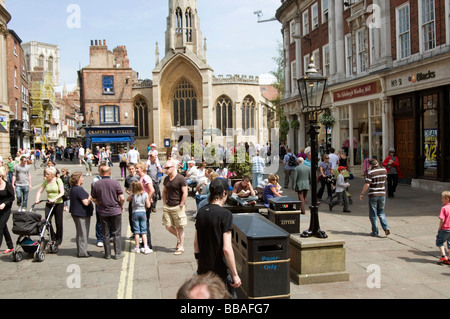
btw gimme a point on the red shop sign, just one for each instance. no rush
(357, 91)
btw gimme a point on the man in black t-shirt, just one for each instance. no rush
(212, 243)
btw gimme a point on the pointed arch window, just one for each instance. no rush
(248, 115)
(224, 114)
(141, 117)
(179, 16)
(184, 104)
(188, 25)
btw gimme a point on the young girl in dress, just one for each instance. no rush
(139, 202)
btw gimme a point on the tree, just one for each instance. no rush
(279, 85)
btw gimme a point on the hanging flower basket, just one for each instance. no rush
(327, 119)
(295, 125)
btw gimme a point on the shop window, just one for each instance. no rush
(376, 131)
(224, 114)
(108, 84)
(344, 127)
(429, 132)
(109, 114)
(141, 117)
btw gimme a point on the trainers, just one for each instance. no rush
(442, 259)
(100, 244)
(136, 250)
(8, 250)
(148, 251)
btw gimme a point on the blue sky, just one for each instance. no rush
(236, 43)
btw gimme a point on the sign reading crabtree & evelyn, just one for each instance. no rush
(357, 91)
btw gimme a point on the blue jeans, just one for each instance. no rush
(22, 195)
(257, 178)
(139, 220)
(376, 209)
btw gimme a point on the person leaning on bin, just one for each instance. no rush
(212, 242)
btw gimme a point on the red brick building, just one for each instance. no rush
(18, 94)
(387, 64)
(106, 98)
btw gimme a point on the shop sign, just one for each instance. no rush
(355, 92)
(413, 78)
(109, 131)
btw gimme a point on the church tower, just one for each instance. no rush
(183, 27)
(182, 79)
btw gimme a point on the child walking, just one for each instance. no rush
(139, 202)
(443, 234)
(341, 187)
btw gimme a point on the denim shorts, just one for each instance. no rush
(139, 222)
(442, 237)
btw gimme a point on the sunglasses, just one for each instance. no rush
(167, 167)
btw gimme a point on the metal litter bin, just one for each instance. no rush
(285, 212)
(261, 251)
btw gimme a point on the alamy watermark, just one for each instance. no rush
(74, 19)
(374, 279)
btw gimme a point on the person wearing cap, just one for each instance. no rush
(341, 186)
(191, 173)
(393, 172)
(213, 239)
(174, 198)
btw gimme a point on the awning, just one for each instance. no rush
(111, 140)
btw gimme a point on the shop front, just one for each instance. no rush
(116, 138)
(360, 123)
(421, 111)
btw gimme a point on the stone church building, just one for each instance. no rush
(186, 100)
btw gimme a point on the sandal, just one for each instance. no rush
(179, 252)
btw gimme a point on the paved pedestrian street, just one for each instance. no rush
(404, 265)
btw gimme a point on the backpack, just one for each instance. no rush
(292, 161)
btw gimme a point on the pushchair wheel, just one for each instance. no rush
(17, 256)
(39, 256)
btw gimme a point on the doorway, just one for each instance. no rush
(404, 146)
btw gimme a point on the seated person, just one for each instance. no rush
(243, 192)
(191, 174)
(222, 171)
(272, 189)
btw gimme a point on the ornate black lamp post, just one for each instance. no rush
(312, 88)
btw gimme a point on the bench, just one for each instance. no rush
(235, 209)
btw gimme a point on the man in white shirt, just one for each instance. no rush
(334, 159)
(133, 155)
(81, 155)
(191, 173)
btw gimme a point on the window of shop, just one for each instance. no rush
(109, 114)
(360, 141)
(108, 84)
(376, 131)
(344, 126)
(429, 134)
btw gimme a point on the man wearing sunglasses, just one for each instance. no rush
(174, 198)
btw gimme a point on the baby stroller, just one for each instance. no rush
(27, 224)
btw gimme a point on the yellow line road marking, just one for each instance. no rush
(125, 290)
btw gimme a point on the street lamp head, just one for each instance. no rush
(311, 89)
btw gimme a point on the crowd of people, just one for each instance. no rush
(141, 192)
